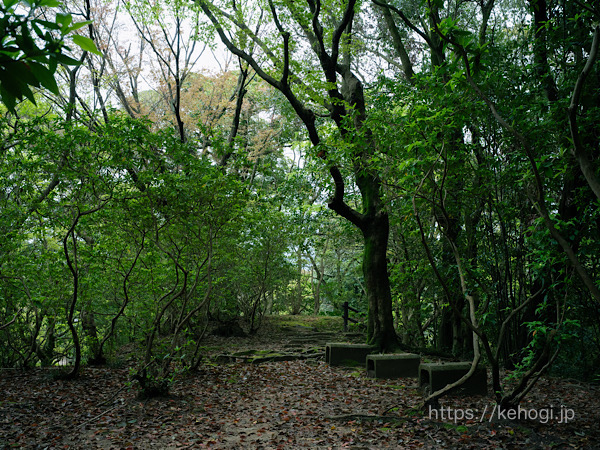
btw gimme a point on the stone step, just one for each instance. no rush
(309, 341)
(259, 357)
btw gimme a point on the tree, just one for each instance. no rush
(481, 160)
(161, 26)
(328, 88)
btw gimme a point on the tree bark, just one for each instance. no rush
(380, 331)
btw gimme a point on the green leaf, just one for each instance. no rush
(8, 99)
(14, 80)
(64, 20)
(52, 64)
(78, 25)
(14, 83)
(86, 44)
(49, 3)
(67, 60)
(37, 30)
(45, 76)
(28, 94)
(10, 3)
(48, 24)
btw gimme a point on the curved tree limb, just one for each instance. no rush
(579, 151)
(405, 19)
(7, 324)
(307, 116)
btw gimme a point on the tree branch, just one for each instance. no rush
(405, 19)
(407, 66)
(578, 149)
(341, 28)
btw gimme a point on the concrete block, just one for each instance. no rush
(396, 365)
(434, 376)
(343, 354)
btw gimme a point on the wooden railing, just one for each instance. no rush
(346, 315)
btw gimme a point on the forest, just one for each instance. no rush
(174, 170)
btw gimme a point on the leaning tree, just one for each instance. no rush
(306, 51)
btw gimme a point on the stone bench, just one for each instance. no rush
(397, 365)
(434, 376)
(343, 354)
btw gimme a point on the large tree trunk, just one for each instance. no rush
(380, 331)
(374, 224)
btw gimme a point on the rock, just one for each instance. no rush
(229, 329)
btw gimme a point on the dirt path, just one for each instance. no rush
(286, 405)
(294, 404)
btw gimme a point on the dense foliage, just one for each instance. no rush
(434, 164)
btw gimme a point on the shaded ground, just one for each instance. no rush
(287, 405)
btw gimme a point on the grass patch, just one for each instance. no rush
(350, 363)
(318, 323)
(461, 429)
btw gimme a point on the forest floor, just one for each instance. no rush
(279, 405)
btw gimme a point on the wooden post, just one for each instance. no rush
(345, 315)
